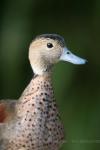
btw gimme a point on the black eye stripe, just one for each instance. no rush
(49, 45)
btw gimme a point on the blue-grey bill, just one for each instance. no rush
(70, 57)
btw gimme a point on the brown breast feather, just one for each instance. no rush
(7, 110)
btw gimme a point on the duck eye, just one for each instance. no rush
(49, 45)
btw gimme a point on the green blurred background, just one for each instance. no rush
(77, 88)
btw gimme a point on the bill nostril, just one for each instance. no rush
(68, 52)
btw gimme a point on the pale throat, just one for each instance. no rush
(41, 68)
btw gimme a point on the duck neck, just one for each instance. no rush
(41, 67)
(38, 91)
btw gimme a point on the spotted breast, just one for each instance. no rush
(37, 125)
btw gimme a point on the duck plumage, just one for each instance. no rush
(32, 122)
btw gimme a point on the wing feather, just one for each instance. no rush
(7, 110)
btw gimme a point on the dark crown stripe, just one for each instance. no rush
(57, 37)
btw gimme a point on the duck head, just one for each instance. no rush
(48, 49)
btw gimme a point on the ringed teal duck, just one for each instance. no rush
(33, 122)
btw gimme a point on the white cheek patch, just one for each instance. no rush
(70, 57)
